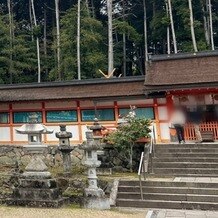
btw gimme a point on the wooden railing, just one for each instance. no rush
(210, 126)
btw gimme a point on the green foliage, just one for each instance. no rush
(124, 27)
(16, 55)
(127, 135)
(92, 48)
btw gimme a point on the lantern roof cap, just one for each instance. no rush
(35, 128)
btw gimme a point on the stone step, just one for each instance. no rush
(186, 150)
(185, 171)
(172, 190)
(187, 159)
(200, 145)
(168, 197)
(162, 175)
(184, 154)
(185, 165)
(135, 183)
(167, 204)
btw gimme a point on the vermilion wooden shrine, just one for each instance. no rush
(186, 79)
(169, 79)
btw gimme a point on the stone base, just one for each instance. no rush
(37, 203)
(36, 194)
(33, 192)
(40, 175)
(98, 203)
(95, 192)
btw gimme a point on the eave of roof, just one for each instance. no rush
(180, 56)
(149, 89)
(77, 90)
(96, 81)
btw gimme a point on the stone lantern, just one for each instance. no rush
(64, 147)
(94, 196)
(34, 131)
(36, 187)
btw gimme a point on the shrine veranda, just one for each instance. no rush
(76, 103)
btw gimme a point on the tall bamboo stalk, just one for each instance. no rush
(11, 30)
(192, 26)
(78, 39)
(168, 31)
(37, 42)
(211, 25)
(205, 19)
(110, 37)
(58, 39)
(145, 35)
(124, 44)
(172, 27)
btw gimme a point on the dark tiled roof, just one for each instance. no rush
(85, 89)
(182, 71)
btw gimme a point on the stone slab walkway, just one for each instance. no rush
(181, 214)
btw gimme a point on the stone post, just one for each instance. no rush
(94, 196)
(64, 147)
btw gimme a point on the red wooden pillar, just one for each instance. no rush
(116, 111)
(79, 121)
(44, 119)
(157, 121)
(11, 123)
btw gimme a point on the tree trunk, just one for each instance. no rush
(110, 37)
(124, 54)
(93, 8)
(192, 26)
(124, 44)
(168, 31)
(11, 40)
(205, 19)
(37, 43)
(211, 24)
(45, 39)
(131, 158)
(172, 27)
(31, 20)
(145, 35)
(78, 40)
(58, 39)
(87, 6)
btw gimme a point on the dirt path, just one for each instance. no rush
(12, 212)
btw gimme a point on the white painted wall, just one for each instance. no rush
(165, 132)
(163, 113)
(19, 137)
(5, 134)
(73, 129)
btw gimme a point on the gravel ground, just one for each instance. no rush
(6, 212)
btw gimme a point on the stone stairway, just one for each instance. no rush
(170, 195)
(186, 160)
(189, 164)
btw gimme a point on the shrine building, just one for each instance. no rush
(169, 80)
